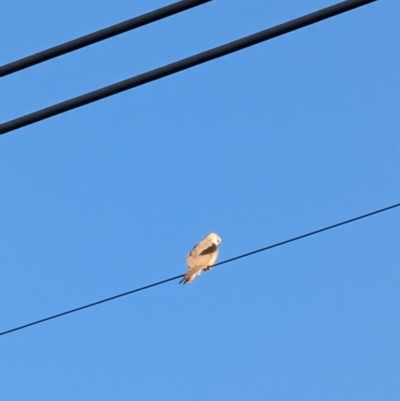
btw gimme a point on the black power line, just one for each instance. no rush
(98, 36)
(146, 287)
(182, 64)
(124, 294)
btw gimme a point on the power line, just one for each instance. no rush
(310, 234)
(182, 65)
(124, 294)
(98, 36)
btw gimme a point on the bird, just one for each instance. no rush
(201, 257)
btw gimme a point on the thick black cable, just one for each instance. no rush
(100, 35)
(182, 64)
(217, 264)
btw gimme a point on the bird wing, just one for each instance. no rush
(202, 255)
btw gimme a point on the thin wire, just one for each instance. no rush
(182, 65)
(217, 264)
(309, 234)
(98, 36)
(124, 294)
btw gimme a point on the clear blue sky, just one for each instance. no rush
(271, 142)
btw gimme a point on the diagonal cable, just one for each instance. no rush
(98, 36)
(183, 64)
(146, 287)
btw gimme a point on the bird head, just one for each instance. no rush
(216, 239)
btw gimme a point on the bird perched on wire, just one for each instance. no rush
(201, 257)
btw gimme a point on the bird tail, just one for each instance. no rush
(185, 279)
(190, 276)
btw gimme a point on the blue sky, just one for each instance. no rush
(259, 146)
